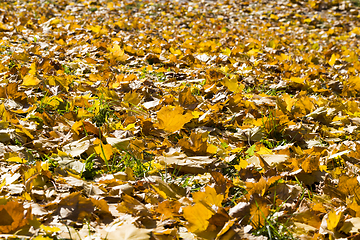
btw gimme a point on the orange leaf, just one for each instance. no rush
(310, 164)
(258, 212)
(13, 217)
(259, 187)
(168, 209)
(195, 145)
(187, 100)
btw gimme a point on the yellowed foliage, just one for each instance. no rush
(210, 197)
(105, 151)
(198, 217)
(172, 119)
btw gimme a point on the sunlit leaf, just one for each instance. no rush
(197, 216)
(14, 217)
(210, 197)
(333, 59)
(259, 212)
(172, 119)
(333, 220)
(105, 151)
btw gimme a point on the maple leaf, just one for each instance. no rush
(169, 209)
(260, 187)
(132, 206)
(333, 220)
(105, 151)
(76, 207)
(259, 211)
(13, 217)
(197, 144)
(210, 197)
(187, 100)
(172, 119)
(198, 217)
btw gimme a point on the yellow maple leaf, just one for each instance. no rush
(16, 159)
(333, 220)
(226, 51)
(274, 17)
(118, 53)
(231, 84)
(297, 80)
(13, 217)
(354, 83)
(209, 197)
(83, 113)
(304, 105)
(212, 149)
(133, 98)
(30, 81)
(105, 151)
(172, 119)
(196, 114)
(283, 57)
(198, 217)
(333, 59)
(54, 21)
(95, 28)
(242, 164)
(110, 6)
(264, 150)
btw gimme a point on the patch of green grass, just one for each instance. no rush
(128, 160)
(67, 70)
(89, 171)
(93, 9)
(356, 3)
(234, 194)
(102, 116)
(273, 128)
(11, 64)
(159, 75)
(102, 112)
(273, 227)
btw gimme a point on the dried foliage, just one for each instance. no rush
(179, 119)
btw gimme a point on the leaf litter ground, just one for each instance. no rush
(179, 119)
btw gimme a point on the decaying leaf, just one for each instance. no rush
(196, 164)
(129, 232)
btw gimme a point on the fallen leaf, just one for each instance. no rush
(13, 217)
(129, 232)
(172, 119)
(198, 217)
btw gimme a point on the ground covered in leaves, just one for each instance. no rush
(179, 119)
